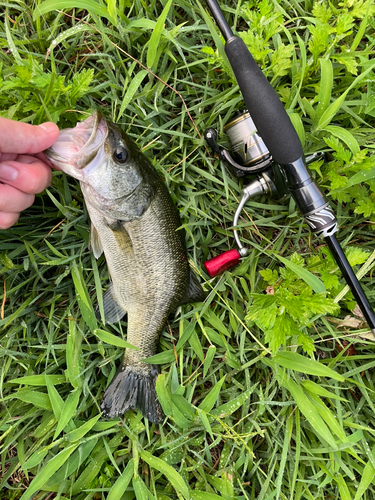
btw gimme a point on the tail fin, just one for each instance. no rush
(133, 389)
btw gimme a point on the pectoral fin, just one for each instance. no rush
(113, 311)
(194, 291)
(95, 243)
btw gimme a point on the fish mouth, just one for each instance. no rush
(77, 147)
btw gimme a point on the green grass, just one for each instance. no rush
(253, 411)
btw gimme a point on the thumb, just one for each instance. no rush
(23, 138)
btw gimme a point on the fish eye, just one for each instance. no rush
(120, 155)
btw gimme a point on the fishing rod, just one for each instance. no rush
(264, 142)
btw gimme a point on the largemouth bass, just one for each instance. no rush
(135, 224)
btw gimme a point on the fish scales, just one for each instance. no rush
(136, 225)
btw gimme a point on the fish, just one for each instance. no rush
(135, 223)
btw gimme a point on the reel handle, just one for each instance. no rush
(223, 262)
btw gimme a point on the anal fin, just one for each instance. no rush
(195, 292)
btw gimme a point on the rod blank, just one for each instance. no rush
(351, 279)
(220, 19)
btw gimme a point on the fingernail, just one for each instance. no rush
(8, 173)
(48, 127)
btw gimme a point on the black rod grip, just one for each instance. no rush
(268, 113)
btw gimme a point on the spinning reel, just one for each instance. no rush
(251, 157)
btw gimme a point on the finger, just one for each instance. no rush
(19, 137)
(8, 156)
(8, 219)
(15, 156)
(28, 174)
(13, 200)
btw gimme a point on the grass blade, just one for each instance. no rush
(83, 298)
(325, 88)
(343, 488)
(329, 418)
(211, 398)
(162, 358)
(81, 431)
(362, 29)
(284, 454)
(300, 363)
(205, 495)
(359, 177)
(205, 422)
(233, 405)
(316, 284)
(131, 90)
(320, 391)
(153, 44)
(216, 37)
(308, 409)
(74, 360)
(53, 465)
(89, 5)
(72, 464)
(367, 478)
(164, 394)
(79, 28)
(38, 399)
(333, 109)
(298, 125)
(56, 400)
(345, 136)
(111, 339)
(67, 411)
(38, 380)
(211, 351)
(11, 44)
(171, 474)
(123, 481)
(35, 459)
(140, 489)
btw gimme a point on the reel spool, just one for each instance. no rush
(250, 154)
(247, 146)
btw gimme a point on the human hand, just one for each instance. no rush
(24, 170)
